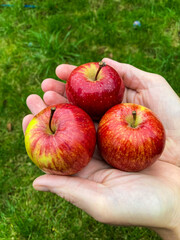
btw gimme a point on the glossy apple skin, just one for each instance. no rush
(72, 145)
(94, 97)
(126, 148)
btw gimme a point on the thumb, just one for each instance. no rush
(82, 193)
(133, 77)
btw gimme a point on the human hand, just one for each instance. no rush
(149, 198)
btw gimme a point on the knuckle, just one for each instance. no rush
(159, 77)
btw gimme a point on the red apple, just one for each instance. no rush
(61, 139)
(130, 137)
(95, 87)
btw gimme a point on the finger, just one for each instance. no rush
(52, 97)
(64, 70)
(94, 170)
(53, 85)
(80, 192)
(26, 121)
(133, 77)
(35, 103)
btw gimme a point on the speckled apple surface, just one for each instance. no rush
(130, 148)
(72, 145)
(94, 96)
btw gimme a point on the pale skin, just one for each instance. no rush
(149, 198)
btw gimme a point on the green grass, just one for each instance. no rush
(32, 43)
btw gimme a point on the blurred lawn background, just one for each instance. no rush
(33, 41)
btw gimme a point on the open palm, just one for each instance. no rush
(107, 194)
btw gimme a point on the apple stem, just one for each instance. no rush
(134, 118)
(53, 109)
(101, 64)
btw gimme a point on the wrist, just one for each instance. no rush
(169, 234)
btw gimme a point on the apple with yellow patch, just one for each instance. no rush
(130, 137)
(61, 139)
(95, 87)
